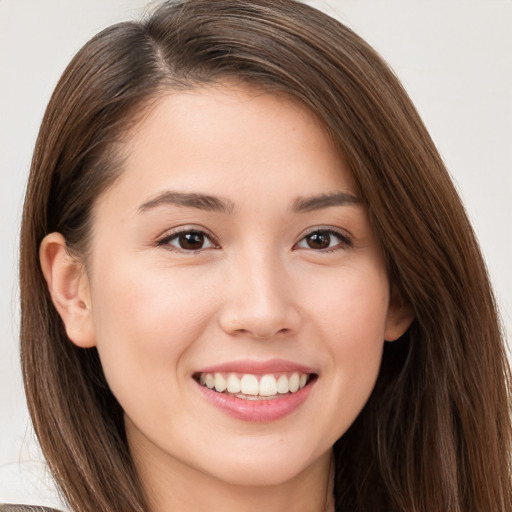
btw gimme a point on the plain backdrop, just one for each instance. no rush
(453, 56)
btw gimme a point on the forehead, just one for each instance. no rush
(228, 138)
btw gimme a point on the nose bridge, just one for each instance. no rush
(259, 297)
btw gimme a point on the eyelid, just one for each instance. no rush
(164, 239)
(345, 237)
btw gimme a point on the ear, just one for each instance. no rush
(399, 318)
(69, 289)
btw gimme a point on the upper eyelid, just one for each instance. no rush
(171, 234)
(346, 240)
(331, 229)
(167, 235)
(186, 228)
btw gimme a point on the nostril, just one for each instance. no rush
(271, 334)
(259, 319)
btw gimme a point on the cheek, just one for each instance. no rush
(143, 321)
(352, 308)
(350, 315)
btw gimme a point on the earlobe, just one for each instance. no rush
(399, 318)
(69, 289)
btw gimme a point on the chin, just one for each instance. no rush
(263, 467)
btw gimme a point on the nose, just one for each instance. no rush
(259, 300)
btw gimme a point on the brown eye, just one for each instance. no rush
(324, 240)
(188, 241)
(319, 240)
(191, 241)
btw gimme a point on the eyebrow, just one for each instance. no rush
(189, 200)
(309, 204)
(216, 204)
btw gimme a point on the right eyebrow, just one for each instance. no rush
(189, 200)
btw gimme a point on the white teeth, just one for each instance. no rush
(293, 383)
(209, 381)
(268, 385)
(250, 387)
(233, 383)
(220, 383)
(282, 384)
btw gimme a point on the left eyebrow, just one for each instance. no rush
(309, 204)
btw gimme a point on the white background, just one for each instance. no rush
(453, 56)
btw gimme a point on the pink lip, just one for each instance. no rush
(258, 367)
(257, 411)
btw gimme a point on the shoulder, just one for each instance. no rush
(25, 508)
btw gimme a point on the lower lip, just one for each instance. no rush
(258, 411)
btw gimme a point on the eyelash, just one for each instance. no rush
(343, 243)
(344, 240)
(175, 235)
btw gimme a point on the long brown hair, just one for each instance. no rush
(435, 434)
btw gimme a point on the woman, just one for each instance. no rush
(235, 206)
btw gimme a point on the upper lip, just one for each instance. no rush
(258, 367)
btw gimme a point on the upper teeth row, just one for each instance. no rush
(249, 384)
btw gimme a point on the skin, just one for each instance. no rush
(255, 289)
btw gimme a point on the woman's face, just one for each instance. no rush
(234, 251)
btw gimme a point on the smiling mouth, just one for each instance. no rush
(255, 387)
